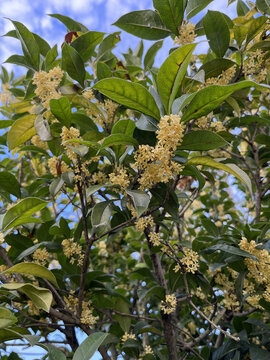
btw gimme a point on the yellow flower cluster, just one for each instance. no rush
(110, 108)
(102, 249)
(6, 95)
(223, 79)
(32, 309)
(119, 177)
(186, 34)
(154, 163)
(47, 84)
(258, 272)
(39, 143)
(217, 126)
(69, 134)
(147, 351)
(154, 238)
(192, 327)
(41, 256)
(87, 316)
(228, 291)
(88, 94)
(127, 336)
(57, 166)
(99, 178)
(169, 305)
(255, 66)
(144, 222)
(190, 261)
(73, 251)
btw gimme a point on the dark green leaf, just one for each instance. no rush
(86, 43)
(118, 139)
(125, 126)
(73, 64)
(100, 217)
(71, 24)
(202, 140)
(229, 249)
(217, 32)
(171, 13)
(195, 6)
(103, 71)
(9, 183)
(50, 57)
(61, 109)
(89, 346)
(145, 24)
(151, 54)
(19, 60)
(132, 95)
(242, 8)
(263, 6)
(257, 353)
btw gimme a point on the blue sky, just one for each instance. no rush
(97, 15)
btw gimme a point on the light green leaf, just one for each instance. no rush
(21, 213)
(207, 99)
(73, 64)
(6, 318)
(230, 168)
(140, 199)
(31, 268)
(195, 6)
(9, 183)
(86, 43)
(125, 126)
(41, 297)
(217, 32)
(202, 140)
(89, 346)
(171, 74)
(61, 109)
(132, 95)
(21, 131)
(42, 128)
(171, 12)
(145, 24)
(56, 185)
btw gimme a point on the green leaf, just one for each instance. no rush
(31, 268)
(254, 27)
(89, 346)
(242, 8)
(146, 123)
(56, 186)
(214, 67)
(19, 60)
(151, 54)
(86, 43)
(230, 168)
(195, 6)
(171, 74)
(71, 24)
(145, 24)
(9, 183)
(21, 131)
(61, 109)
(103, 71)
(125, 126)
(21, 213)
(6, 318)
(171, 13)
(202, 140)
(41, 297)
(100, 217)
(29, 45)
(256, 353)
(229, 249)
(263, 6)
(140, 199)
(44, 47)
(42, 128)
(132, 95)
(12, 333)
(50, 57)
(207, 99)
(73, 64)
(124, 321)
(53, 352)
(119, 139)
(217, 32)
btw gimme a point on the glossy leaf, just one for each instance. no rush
(119, 139)
(207, 99)
(21, 213)
(230, 168)
(53, 353)
(242, 8)
(42, 128)
(125, 126)
(229, 249)
(217, 32)
(171, 13)
(89, 346)
(71, 24)
(9, 183)
(202, 140)
(31, 268)
(132, 95)
(19, 60)
(140, 200)
(195, 6)
(100, 217)
(21, 131)
(145, 24)
(171, 74)
(73, 64)
(6, 318)
(86, 43)
(41, 297)
(61, 109)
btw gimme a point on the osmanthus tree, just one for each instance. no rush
(135, 200)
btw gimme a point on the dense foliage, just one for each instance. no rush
(135, 199)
